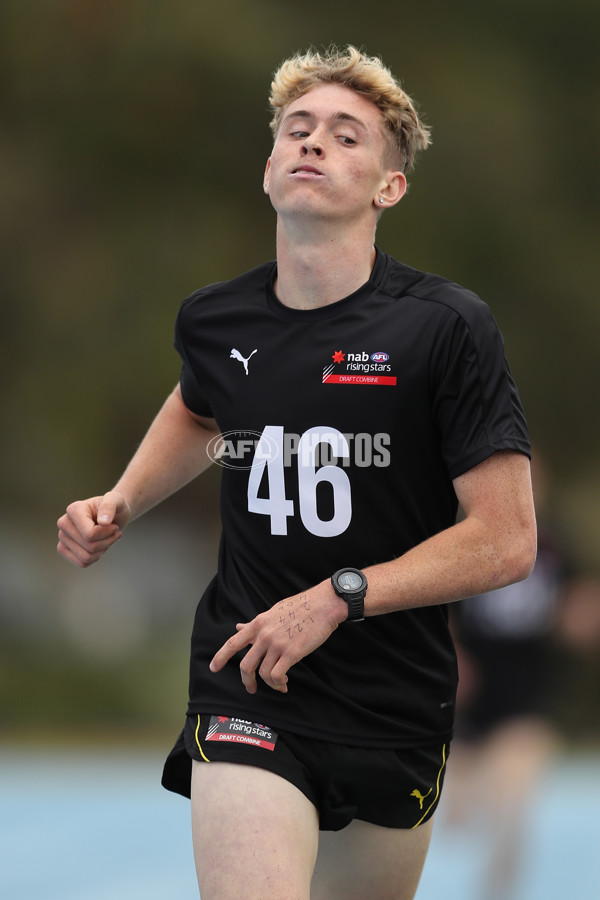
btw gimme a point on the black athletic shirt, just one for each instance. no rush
(343, 428)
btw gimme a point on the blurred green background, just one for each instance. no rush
(133, 139)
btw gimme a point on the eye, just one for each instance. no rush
(348, 141)
(299, 134)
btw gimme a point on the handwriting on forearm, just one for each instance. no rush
(299, 627)
(292, 615)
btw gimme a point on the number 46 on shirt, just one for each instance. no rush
(276, 505)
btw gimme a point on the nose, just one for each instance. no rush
(312, 144)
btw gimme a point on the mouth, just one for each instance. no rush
(307, 170)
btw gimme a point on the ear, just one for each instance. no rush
(266, 176)
(391, 192)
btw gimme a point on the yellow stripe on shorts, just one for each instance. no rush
(437, 791)
(202, 754)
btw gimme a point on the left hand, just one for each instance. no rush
(283, 636)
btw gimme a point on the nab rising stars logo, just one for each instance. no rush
(359, 368)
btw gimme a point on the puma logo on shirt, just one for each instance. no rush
(235, 354)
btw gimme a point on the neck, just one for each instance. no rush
(321, 270)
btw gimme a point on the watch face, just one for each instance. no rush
(350, 581)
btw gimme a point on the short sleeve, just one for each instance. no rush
(476, 405)
(193, 398)
(191, 392)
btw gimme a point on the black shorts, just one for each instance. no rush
(394, 788)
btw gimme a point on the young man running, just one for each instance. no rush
(359, 402)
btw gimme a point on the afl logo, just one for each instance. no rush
(380, 357)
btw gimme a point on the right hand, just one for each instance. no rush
(90, 527)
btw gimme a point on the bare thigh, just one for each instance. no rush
(368, 861)
(255, 834)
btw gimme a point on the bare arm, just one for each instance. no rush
(172, 453)
(494, 545)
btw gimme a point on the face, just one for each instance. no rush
(328, 158)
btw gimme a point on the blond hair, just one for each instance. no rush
(367, 76)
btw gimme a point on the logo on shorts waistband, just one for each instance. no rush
(240, 731)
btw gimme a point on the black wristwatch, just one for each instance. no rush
(351, 585)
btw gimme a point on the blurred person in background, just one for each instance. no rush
(509, 659)
(323, 674)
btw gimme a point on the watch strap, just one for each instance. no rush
(356, 607)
